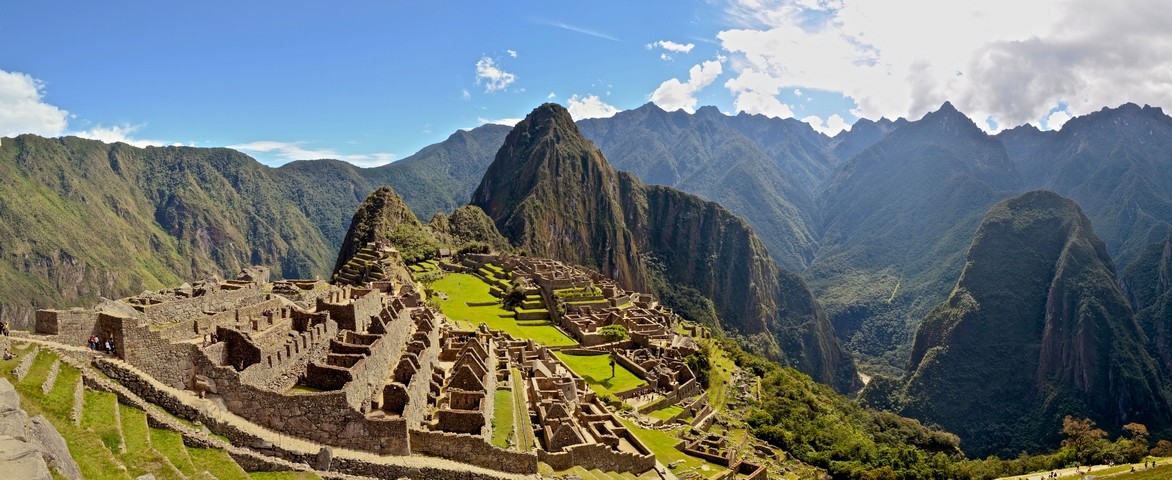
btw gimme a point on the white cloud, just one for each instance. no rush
(551, 95)
(830, 127)
(23, 110)
(1056, 120)
(494, 78)
(467, 95)
(116, 133)
(508, 122)
(671, 47)
(797, 92)
(1007, 60)
(756, 92)
(674, 95)
(512, 53)
(589, 106)
(283, 152)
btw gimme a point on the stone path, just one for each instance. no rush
(285, 442)
(1080, 472)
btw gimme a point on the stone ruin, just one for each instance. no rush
(372, 369)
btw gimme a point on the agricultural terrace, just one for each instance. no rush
(457, 293)
(596, 370)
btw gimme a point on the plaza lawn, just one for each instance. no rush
(462, 288)
(667, 412)
(596, 370)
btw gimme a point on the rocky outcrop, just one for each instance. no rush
(1035, 329)
(29, 446)
(554, 195)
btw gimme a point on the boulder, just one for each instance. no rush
(22, 460)
(53, 446)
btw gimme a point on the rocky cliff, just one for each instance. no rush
(553, 194)
(1036, 328)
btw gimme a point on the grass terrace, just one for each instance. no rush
(463, 289)
(596, 370)
(114, 441)
(666, 413)
(663, 446)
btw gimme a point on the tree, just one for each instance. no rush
(1163, 449)
(1082, 438)
(1136, 447)
(613, 332)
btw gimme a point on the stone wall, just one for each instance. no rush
(472, 449)
(602, 457)
(72, 327)
(196, 306)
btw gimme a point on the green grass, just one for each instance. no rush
(1159, 473)
(462, 288)
(596, 370)
(170, 445)
(140, 458)
(298, 389)
(216, 462)
(502, 418)
(719, 376)
(521, 412)
(666, 413)
(97, 415)
(85, 446)
(663, 446)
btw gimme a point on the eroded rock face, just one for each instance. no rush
(21, 456)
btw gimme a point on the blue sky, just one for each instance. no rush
(371, 82)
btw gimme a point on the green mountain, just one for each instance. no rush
(1036, 328)
(1114, 163)
(441, 177)
(382, 216)
(762, 169)
(1147, 282)
(896, 220)
(554, 195)
(82, 219)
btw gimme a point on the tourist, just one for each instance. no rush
(93, 342)
(8, 355)
(4, 327)
(110, 345)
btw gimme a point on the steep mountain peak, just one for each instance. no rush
(709, 110)
(554, 195)
(377, 217)
(1038, 309)
(951, 121)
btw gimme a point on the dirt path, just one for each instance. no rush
(1085, 472)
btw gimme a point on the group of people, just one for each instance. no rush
(210, 339)
(96, 344)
